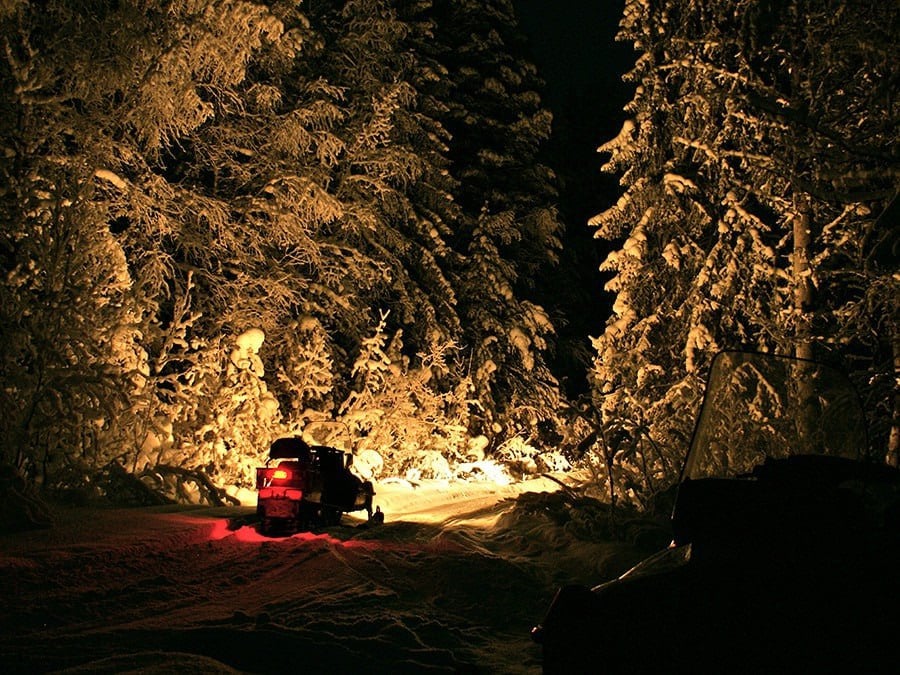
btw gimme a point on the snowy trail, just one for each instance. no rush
(443, 586)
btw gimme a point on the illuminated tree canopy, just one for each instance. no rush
(226, 220)
(211, 208)
(761, 147)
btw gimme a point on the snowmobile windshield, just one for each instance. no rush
(761, 406)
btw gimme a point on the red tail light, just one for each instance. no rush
(281, 474)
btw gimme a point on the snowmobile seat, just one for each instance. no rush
(290, 448)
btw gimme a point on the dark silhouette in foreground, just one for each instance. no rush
(786, 544)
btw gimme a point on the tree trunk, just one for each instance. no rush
(802, 301)
(802, 274)
(893, 451)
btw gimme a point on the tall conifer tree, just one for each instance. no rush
(509, 229)
(759, 151)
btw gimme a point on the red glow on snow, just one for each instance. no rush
(248, 534)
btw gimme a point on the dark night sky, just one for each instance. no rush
(573, 44)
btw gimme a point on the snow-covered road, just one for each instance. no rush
(452, 582)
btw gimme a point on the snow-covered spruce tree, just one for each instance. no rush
(161, 142)
(400, 409)
(213, 211)
(508, 230)
(67, 316)
(399, 211)
(391, 180)
(305, 371)
(407, 241)
(643, 372)
(750, 122)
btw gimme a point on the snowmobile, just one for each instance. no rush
(309, 486)
(786, 543)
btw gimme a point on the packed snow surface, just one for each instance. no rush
(451, 582)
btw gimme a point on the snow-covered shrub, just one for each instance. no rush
(398, 409)
(523, 459)
(368, 463)
(206, 405)
(519, 456)
(239, 416)
(427, 465)
(65, 303)
(483, 470)
(304, 369)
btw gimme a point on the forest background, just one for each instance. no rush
(228, 221)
